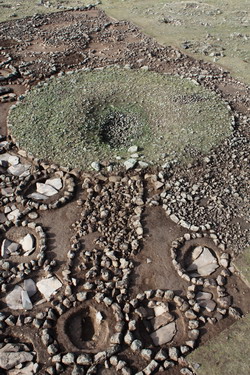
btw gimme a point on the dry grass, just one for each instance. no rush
(226, 354)
(216, 31)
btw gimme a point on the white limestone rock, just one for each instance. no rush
(28, 242)
(20, 170)
(14, 298)
(49, 286)
(29, 369)
(161, 309)
(13, 215)
(37, 196)
(96, 166)
(56, 183)
(8, 247)
(133, 149)
(161, 320)
(8, 360)
(204, 262)
(4, 248)
(30, 286)
(7, 192)
(26, 302)
(10, 159)
(2, 218)
(46, 189)
(130, 164)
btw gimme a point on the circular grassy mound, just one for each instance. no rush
(95, 116)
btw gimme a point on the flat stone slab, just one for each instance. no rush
(13, 215)
(8, 360)
(10, 159)
(20, 170)
(161, 309)
(205, 301)
(29, 369)
(4, 248)
(26, 302)
(49, 286)
(46, 189)
(164, 334)
(197, 252)
(2, 218)
(204, 262)
(145, 312)
(7, 192)
(161, 320)
(9, 248)
(28, 242)
(14, 298)
(56, 183)
(30, 286)
(203, 296)
(209, 305)
(11, 347)
(38, 196)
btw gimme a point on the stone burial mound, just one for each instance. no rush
(97, 115)
(127, 269)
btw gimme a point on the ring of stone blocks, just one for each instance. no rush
(91, 359)
(201, 281)
(159, 359)
(179, 242)
(68, 191)
(33, 264)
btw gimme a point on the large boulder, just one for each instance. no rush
(164, 334)
(8, 360)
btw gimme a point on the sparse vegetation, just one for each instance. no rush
(226, 353)
(209, 30)
(69, 120)
(242, 264)
(213, 31)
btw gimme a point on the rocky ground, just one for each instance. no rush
(125, 272)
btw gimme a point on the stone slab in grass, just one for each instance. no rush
(226, 354)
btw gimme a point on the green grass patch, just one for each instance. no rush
(227, 354)
(88, 116)
(242, 263)
(14, 9)
(216, 31)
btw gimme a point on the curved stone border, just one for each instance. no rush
(154, 201)
(23, 269)
(63, 306)
(224, 258)
(42, 321)
(165, 357)
(128, 67)
(224, 299)
(68, 189)
(6, 64)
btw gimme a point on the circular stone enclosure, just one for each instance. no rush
(96, 115)
(86, 327)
